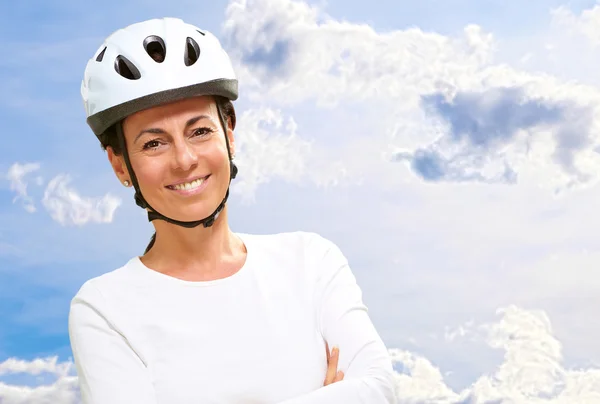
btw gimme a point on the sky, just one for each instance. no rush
(451, 149)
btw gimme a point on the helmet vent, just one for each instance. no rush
(126, 69)
(192, 51)
(101, 55)
(155, 46)
(201, 33)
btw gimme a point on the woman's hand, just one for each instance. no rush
(333, 375)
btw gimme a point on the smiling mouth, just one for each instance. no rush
(188, 186)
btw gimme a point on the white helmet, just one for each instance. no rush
(150, 63)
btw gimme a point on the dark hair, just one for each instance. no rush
(109, 138)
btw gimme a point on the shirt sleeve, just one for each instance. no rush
(109, 370)
(344, 322)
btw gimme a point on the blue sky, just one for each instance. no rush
(451, 149)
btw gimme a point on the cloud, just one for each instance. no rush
(273, 58)
(67, 207)
(566, 47)
(268, 148)
(333, 61)
(62, 202)
(418, 381)
(431, 165)
(532, 370)
(478, 126)
(16, 175)
(35, 367)
(488, 118)
(63, 390)
(444, 104)
(586, 24)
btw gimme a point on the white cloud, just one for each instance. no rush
(67, 207)
(63, 390)
(35, 367)
(418, 381)
(292, 54)
(586, 24)
(63, 203)
(16, 175)
(566, 48)
(268, 148)
(532, 371)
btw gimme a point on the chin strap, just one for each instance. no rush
(153, 214)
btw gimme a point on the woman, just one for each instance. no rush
(207, 315)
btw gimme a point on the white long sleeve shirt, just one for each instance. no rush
(257, 337)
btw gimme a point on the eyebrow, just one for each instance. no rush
(158, 131)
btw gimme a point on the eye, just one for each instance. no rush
(202, 131)
(153, 144)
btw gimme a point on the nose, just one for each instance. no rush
(185, 156)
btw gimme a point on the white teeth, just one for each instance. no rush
(189, 185)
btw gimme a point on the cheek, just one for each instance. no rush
(216, 157)
(148, 171)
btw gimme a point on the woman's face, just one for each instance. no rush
(179, 156)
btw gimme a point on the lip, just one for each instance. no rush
(189, 192)
(191, 179)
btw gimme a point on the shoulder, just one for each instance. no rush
(103, 302)
(93, 291)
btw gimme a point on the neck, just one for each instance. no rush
(198, 253)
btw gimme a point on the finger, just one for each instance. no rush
(339, 376)
(327, 350)
(332, 366)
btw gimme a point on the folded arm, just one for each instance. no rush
(344, 322)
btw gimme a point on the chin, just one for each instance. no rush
(190, 212)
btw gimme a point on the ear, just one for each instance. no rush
(231, 139)
(118, 164)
